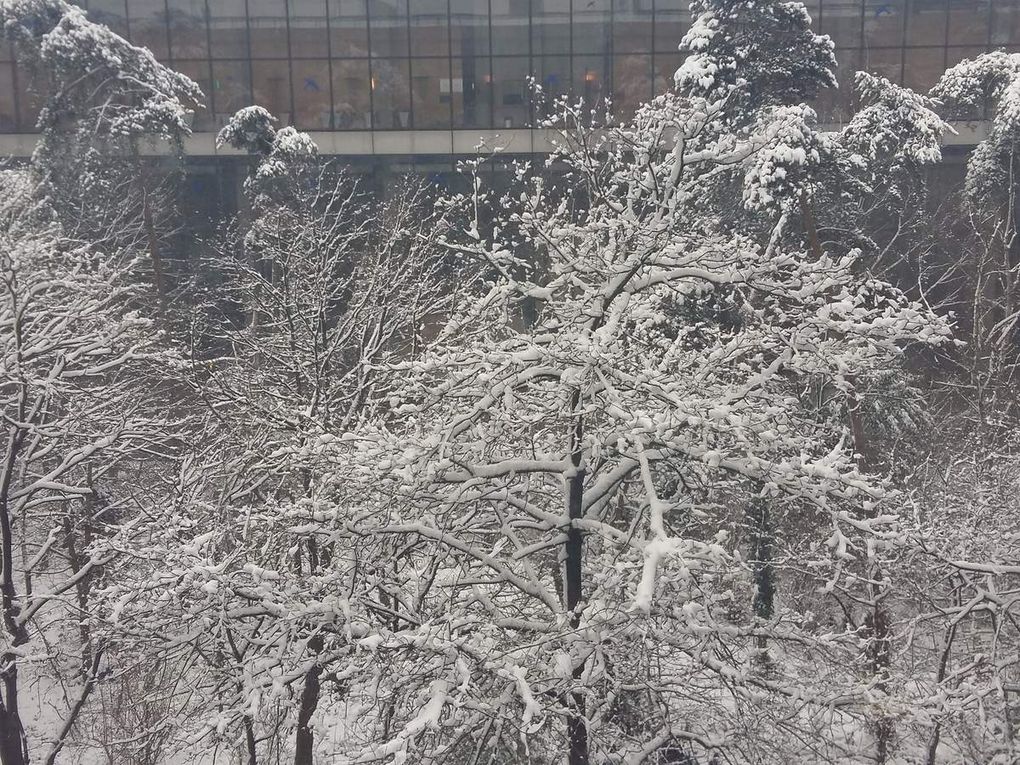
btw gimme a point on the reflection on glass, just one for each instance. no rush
(550, 27)
(8, 114)
(231, 88)
(469, 27)
(199, 72)
(308, 29)
(591, 83)
(1005, 22)
(836, 105)
(388, 27)
(430, 33)
(593, 26)
(926, 22)
(885, 62)
(188, 36)
(270, 84)
(511, 94)
(29, 100)
(510, 27)
(841, 20)
(672, 20)
(922, 67)
(968, 22)
(664, 71)
(148, 26)
(552, 79)
(632, 27)
(471, 92)
(431, 91)
(883, 22)
(110, 13)
(267, 26)
(352, 105)
(632, 84)
(348, 28)
(310, 83)
(391, 94)
(228, 29)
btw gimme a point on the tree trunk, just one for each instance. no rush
(879, 653)
(304, 739)
(13, 746)
(762, 534)
(577, 726)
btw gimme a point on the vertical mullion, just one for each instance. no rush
(410, 68)
(371, 64)
(329, 64)
(449, 67)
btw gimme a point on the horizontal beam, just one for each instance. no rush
(381, 143)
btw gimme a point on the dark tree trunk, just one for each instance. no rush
(577, 726)
(304, 740)
(762, 537)
(13, 747)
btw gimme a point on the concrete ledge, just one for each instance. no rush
(364, 143)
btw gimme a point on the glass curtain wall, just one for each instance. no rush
(481, 64)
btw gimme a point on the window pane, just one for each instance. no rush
(148, 21)
(632, 26)
(672, 20)
(664, 71)
(469, 30)
(431, 92)
(308, 29)
(388, 27)
(270, 84)
(510, 26)
(471, 97)
(29, 101)
(510, 92)
(352, 107)
(592, 79)
(199, 72)
(883, 22)
(836, 105)
(231, 88)
(348, 28)
(8, 117)
(267, 25)
(926, 22)
(886, 62)
(841, 20)
(312, 103)
(430, 33)
(550, 27)
(1005, 22)
(592, 26)
(228, 28)
(391, 94)
(922, 67)
(968, 22)
(188, 37)
(552, 74)
(632, 84)
(111, 13)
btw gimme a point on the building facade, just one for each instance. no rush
(430, 76)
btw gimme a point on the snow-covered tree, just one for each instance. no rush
(104, 101)
(310, 291)
(578, 470)
(79, 377)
